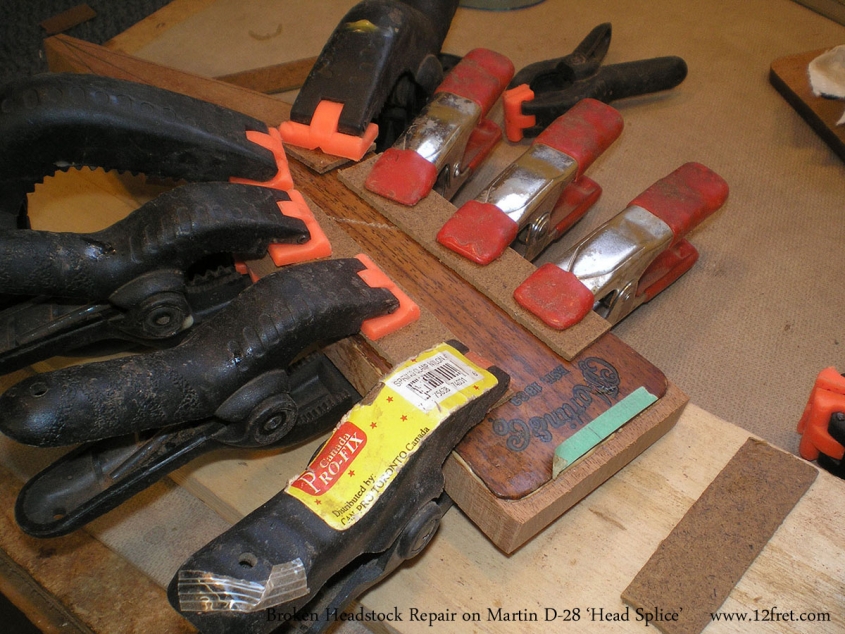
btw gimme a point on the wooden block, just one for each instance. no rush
(509, 523)
(553, 397)
(272, 79)
(498, 280)
(68, 19)
(789, 76)
(695, 568)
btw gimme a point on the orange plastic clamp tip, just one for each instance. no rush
(402, 176)
(478, 231)
(408, 311)
(515, 121)
(273, 142)
(556, 296)
(317, 247)
(323, 133)
(826, 398)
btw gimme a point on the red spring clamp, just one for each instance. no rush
(632, 257)
(528, 191)
(450, 137)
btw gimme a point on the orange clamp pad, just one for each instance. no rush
(556, 296)
(273, 142)
(515, 121)
(826, 398)
(317, 247)
(323, 133)
(408, 311)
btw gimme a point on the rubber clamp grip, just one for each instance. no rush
(584, 131)
(684, 198)
(478, 231)
(482, 75)
(401, 175)
(556, 296)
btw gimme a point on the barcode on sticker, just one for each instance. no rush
(428, 382)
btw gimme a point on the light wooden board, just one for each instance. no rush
(587, 557)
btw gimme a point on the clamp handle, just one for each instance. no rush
(404, 175)
(172, 231)
(54, 121)
(480, 76)
(584, 132)
(97, 477)
(224, 360)
(684, 198)
(681, 200)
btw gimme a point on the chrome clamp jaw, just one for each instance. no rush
(611, 260)
(440, 135)
(528, 191)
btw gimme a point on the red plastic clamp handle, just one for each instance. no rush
(584, 131)
(482, 75)
(684, 198)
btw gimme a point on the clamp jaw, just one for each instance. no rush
(227, 382)
(529, 191)
(383, 51)
(143, 279)
(450, 137)
(822, 425)
(58, 121)
(541, 92)
(370, 498)
(629, 259)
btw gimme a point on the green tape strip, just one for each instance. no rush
(577, 445)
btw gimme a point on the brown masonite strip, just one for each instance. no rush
(735, 518)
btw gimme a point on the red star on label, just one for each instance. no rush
(351, 473)
(318, 501)
(475, 387)
(389, 399)
(373, 425)
(404, 417)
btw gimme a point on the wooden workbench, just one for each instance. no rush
(584, 560)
